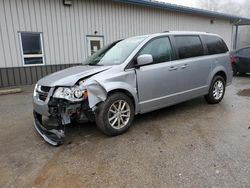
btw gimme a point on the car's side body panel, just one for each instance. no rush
(156, 84)
(168, 83)
(220, 63)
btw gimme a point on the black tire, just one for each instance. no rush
(102, 114)
(235, 71)
(210, 98)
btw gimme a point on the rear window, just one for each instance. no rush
(189, 46)
(244, 52)
(215, 45)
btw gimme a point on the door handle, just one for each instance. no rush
(184, 66)
(172, 68)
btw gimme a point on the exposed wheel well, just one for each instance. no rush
(123, 91)
(222, 74)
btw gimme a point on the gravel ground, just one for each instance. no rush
(187, 145)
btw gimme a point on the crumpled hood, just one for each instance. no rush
(69, 76)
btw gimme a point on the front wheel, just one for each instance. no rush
(115, 115)
(216, 91)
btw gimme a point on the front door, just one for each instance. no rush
(94, 44)
(158, 82)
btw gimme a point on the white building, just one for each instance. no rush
(38, 37)
(243, 37)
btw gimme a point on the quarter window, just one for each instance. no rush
(160, 49)
(189, 46)
(215, 45)
(32, 48)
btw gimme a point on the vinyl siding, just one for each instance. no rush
(16, 76)
(64, 28)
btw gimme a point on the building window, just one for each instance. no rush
(32, 48)
(95, 43)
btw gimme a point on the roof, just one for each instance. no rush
(236, 20)
(178, 33)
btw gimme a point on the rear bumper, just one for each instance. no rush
(55, 137)
(230, 78)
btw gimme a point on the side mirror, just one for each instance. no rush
(144, 59)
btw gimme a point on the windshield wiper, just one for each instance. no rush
(95, 64)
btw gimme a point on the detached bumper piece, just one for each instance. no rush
(55, 137)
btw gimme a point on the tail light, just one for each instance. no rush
(231, 58)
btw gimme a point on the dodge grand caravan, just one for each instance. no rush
(132, 76)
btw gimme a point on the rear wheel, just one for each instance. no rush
(216, 91)
(115, 115)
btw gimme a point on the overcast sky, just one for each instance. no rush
(240, 7)
(190, 3)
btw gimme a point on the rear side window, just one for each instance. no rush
(160, 49)
(189, 46)
(215, 45)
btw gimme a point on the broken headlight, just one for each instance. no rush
(71, 94)
(77, 93)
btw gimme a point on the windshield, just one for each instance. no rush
(115, 53)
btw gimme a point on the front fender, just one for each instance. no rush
(126, 87)
(98, 88)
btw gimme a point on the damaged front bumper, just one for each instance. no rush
(61, 113)
(54, 137)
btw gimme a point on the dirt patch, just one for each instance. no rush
(244, 92)
(48, 170)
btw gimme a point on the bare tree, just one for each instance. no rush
(212, 5)
(228, 6)
(245, 10)
(231, 7)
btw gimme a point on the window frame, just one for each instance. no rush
(31, 55)
(132, 64)
(152, 40)
(193, 35)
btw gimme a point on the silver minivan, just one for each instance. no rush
(132, 76)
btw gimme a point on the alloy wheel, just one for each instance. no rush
(218, 89)
(119, 114)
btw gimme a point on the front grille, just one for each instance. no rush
(45, 89)
(43, 92)
(42, 96)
